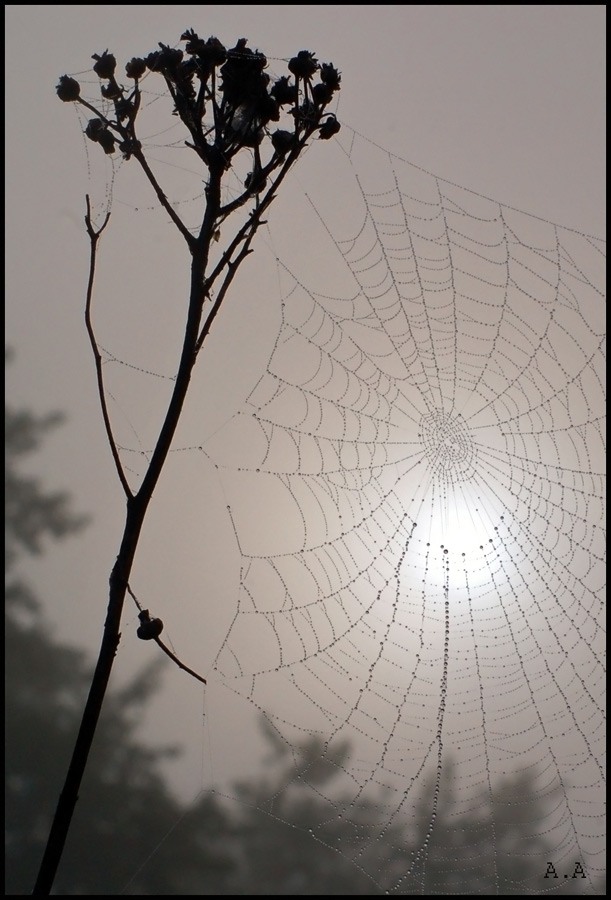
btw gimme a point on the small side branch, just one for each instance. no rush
(94, 237)
(232, 268)
(151, 628)
(139, 155)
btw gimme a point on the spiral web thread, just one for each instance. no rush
(415, 484)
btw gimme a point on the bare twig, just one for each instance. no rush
(92, 109)
(158, 640)
(139, 155)
(94, 237)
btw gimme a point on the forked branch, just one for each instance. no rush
(94, 237)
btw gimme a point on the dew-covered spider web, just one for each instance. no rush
(415, 486)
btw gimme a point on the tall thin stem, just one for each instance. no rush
(137, 506)
(243, 83)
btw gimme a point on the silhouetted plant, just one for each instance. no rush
(229, 106)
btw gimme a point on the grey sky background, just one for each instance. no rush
(505, 100)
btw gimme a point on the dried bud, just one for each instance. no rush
(149, 629)
(152, 61)
(283, 91)
(68, 89)
(215, 51)
(329, 128)
(304, 65)
(330, 76)
(111, 91)
(135, 68)
(98, 132)
(94, 129)
(210, 53)
(124, 109)
(189, 35)
(255, 182)
(282, 141)
(322, 94)
(107, 141)
(169, 58)
(105, 65)
(266, 109)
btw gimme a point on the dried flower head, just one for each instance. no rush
(107, 141)
(68, 89)
(282, 141)
(330, 76)
(322, 94)
(94, 129)
(283, 91)
(210, 53)
(105, 64)
(112, 91)
(329, 128)
(135, 68)
(304, 65)
(98, 132)
(149, 628)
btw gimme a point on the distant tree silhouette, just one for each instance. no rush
(229, 107)
(281, 847)
(498, 846)
(45, 685)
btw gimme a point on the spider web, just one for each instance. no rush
(415, 486)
